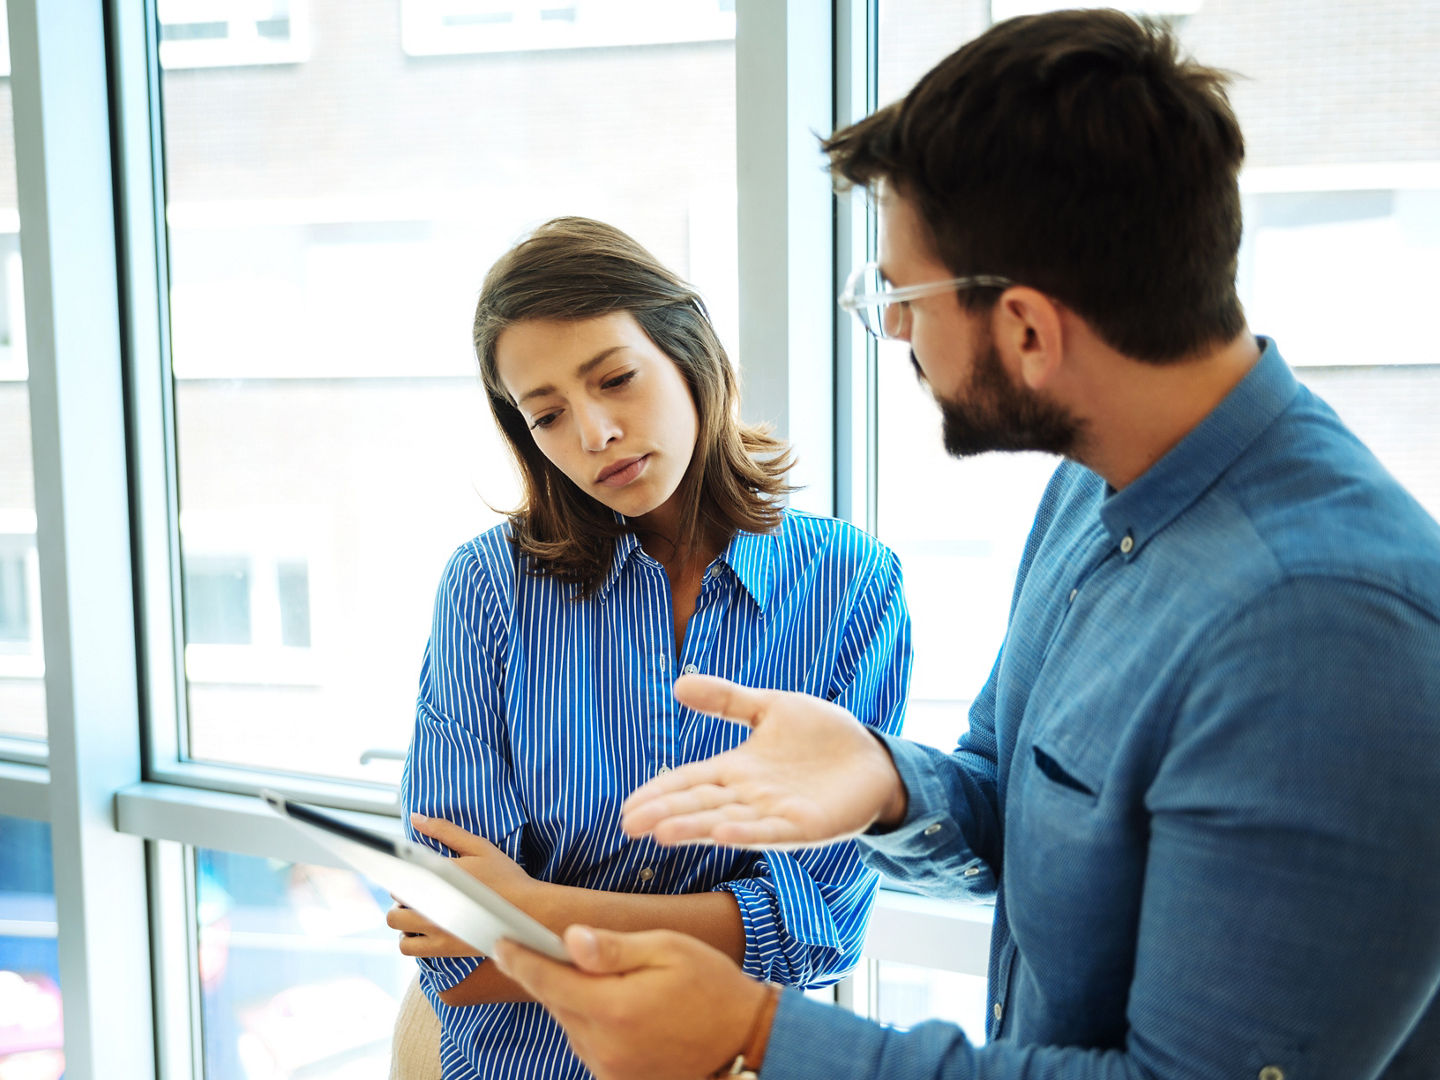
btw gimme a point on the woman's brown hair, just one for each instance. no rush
(576, 268)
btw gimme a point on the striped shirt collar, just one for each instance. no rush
(748, 556)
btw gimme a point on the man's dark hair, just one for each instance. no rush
(1077, 153)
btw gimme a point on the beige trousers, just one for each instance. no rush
(415, 1049)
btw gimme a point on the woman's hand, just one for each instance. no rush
(484, 862)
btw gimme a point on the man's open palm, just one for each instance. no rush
(809, 773)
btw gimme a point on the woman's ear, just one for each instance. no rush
(1029, 334)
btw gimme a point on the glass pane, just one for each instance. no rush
(31, 1038)
(1342, 220)
(331, 215)
(22, 656)
(910, 995)
(299, 975)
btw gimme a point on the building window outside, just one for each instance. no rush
(432, 27)
(20, 638)
(232, 33)
(248, 610)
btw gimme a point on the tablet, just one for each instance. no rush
(424, 880)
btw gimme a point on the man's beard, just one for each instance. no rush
(993, 413)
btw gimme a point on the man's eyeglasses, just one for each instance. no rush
(885, 312)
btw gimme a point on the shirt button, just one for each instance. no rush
(690, 669)
(972, 871)
(931, 830)
(662, 770)
(998, 1010)
(1272, 1072)
(646, 874)
(1127, 545)
(1073, 593)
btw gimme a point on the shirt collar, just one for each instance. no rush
(1173, 483)
(748, 555)
(626, 545)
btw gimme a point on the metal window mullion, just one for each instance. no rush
(145, 302)
(783, 98)
(65, 195)
(856, 450)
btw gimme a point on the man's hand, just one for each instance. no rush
(653, 1004)
(480, 859)
(809, 773)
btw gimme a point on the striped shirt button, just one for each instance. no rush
(1127, 545)
(998, 1010)
(690, 669)
(646, 874)
(931, 830)
(662, 770)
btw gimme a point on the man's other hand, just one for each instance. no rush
(652, 1004)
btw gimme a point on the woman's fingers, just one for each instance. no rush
(409, 921)
(458, 840)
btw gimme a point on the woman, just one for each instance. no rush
(650, 541)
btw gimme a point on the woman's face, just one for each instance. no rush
(608, 408)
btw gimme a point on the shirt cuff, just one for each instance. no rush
(444, 972)
(924, 795)
(760, 917)
(808, 1039)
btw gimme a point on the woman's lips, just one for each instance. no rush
(622, 472)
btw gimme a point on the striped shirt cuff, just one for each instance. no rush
(443, 972)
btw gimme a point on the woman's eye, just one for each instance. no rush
(618, 380)
(544, 421)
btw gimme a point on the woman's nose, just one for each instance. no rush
(597, 427)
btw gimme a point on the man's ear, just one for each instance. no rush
(1029, 334)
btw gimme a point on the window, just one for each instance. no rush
(22, 665)
(326, 241)
(229, 33)
(299, 975)
(477, 26)
(31, 1040)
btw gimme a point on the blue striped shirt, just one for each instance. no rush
(538, 715)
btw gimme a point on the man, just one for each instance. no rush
(1202, 782)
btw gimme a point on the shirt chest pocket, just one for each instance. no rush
(1068, 772)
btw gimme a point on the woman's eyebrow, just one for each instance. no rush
(580, 372)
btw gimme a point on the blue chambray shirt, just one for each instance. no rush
(538, 715)
(1202, 782)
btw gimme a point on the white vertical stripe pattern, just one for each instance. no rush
(538, 715)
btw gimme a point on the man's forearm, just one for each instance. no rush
(713, 917)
